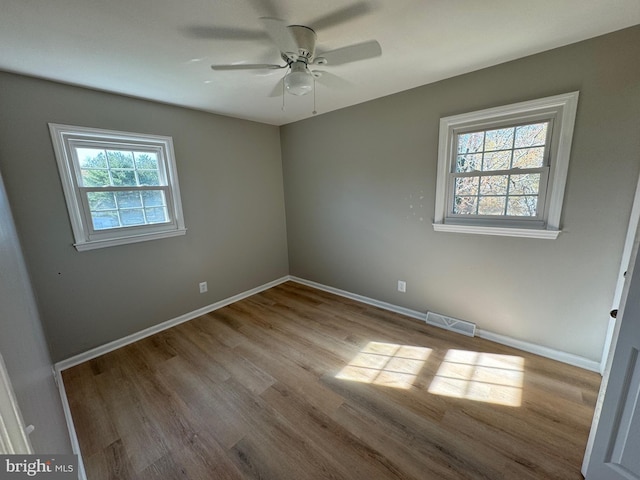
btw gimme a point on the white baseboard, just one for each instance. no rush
(134, 337)
(108, 347)
(361, 298)
(558, 355)
(75, 445)
(553, 354)
(547, 352)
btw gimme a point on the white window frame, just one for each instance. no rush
(66, 138)
(561, 111)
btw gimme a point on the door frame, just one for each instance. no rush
(629, 252)
(13, 436)
(634, 221)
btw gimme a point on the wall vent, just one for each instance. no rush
(452, 324)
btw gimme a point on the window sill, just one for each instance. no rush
(500, 231)
(112, 242)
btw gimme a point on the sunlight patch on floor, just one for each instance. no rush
(386, 364)
(484, 377)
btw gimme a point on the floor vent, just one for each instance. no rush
(453, 324)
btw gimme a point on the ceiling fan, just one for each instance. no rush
(297, 45)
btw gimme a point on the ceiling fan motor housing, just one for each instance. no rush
(305, 39)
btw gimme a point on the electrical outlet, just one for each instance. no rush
(402, 286)
(203, 287)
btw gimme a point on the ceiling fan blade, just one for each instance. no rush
(330, 80)
(342, 15)
(279, 34)
(248, 66)
(205, 32)
(265, 8)
(352, 53)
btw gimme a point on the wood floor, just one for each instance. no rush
(296, 383)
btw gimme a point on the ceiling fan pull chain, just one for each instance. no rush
(283, 95)
(314, 96)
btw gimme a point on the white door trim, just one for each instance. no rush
(634, 220)
(13, 437)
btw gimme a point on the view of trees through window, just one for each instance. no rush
(106, 174)
(499, 172)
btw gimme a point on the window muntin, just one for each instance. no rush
(502, 171)
(120, 187)
(125, 208)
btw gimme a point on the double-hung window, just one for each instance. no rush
(502, 171)
(120, 187)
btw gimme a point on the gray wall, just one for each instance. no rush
(230, 176)
(360, 202)
(359, 208)
(23, 346)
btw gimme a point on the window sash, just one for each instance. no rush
(119, 231)
(74, 145)
(514, 220)
(536, 221)
(125, 230)
(546, 118)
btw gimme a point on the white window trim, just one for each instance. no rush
(564, 107)
(63, 136)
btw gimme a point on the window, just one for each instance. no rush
(502, 171)
(120, 187)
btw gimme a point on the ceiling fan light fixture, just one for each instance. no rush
(299, 80)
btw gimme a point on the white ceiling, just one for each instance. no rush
(162, 49)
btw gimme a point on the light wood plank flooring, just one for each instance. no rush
(296, 383)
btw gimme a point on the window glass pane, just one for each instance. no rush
(156, 215)
(131, 217)
(153, 198)
(146, 160)
(102, 168)
(469, 162)
(471, 142)
(101, 201)
(120, 159)
(507, 148)
(128, 199)
(524, 184)
(466, 186)
(531, 135)
(148, 178)
(465, 205)
(104, 220)
(525, 206)
(491, 205)
(95, 178)
(123, 178)
(91, 158)
(494, 185)
(496, 161)
(127, 208)
(501, 139)
(528, 158)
